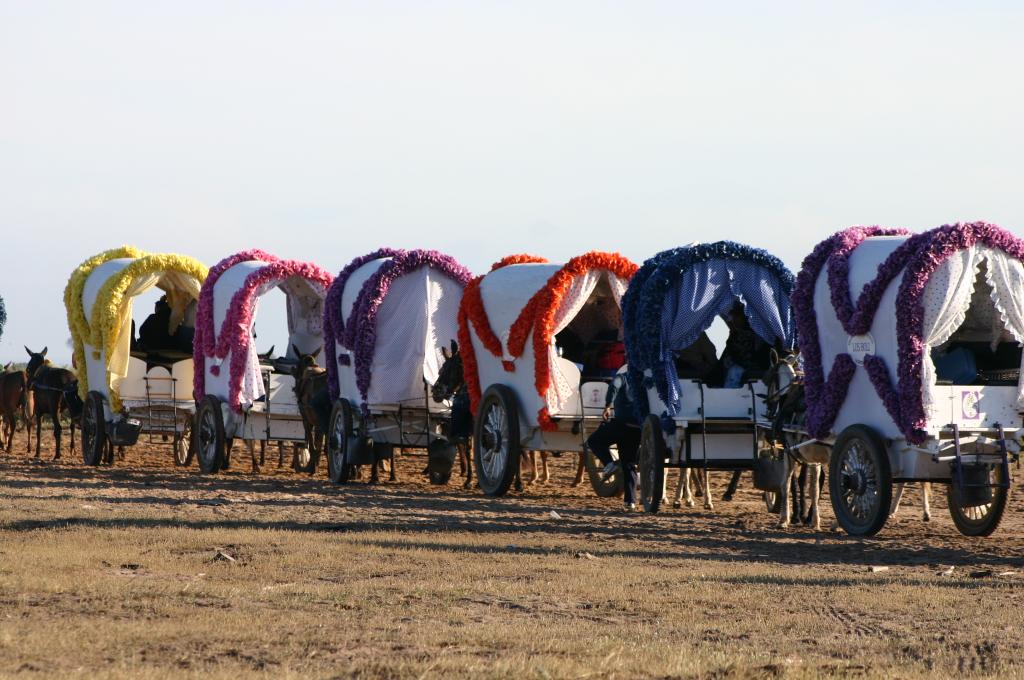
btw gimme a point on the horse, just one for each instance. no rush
(451, 384)
(14, 397)
(54, 391)
(311, 382)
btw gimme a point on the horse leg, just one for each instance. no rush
(683, 485)
(733, 483)
(709, 504)
(263, 452)
(56, 434)
(39, 431)
(251, 445)
(545, 472)
(897, 496)
(72, 435)
(465, 463)
(394, 473)
(817, 474)
(519, 471)
(580, 468)
(926, 492)
(280, 455)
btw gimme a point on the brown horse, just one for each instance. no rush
(310, 380)
(14, 397)
(54, 391)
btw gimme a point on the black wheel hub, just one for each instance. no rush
(857, 482)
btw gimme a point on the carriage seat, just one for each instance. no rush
(162, 384)
(571, 373)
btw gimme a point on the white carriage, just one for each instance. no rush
(523, 394)
(237, 395)
(707, 419)
(129, 388)
(389, 316)
(912, 356)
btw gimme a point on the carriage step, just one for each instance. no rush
(967, 473)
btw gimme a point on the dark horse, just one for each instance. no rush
(451, 384)
(311, 383)
(54, 391)
(14, 398)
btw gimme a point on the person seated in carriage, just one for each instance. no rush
(699, 361)
(155, 333)
(747, 356)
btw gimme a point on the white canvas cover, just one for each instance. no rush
(117, 365)
(947, 304)
(505, 292)
(418, 316)
(304, 305)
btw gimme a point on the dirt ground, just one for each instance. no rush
(147, 570)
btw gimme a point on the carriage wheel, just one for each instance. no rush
(981, 519)
(339, 431)
(184, 448)
(652, 464)
(94, 432)
(211, 444)
(860, 481)
(496, 449)
(604, 488)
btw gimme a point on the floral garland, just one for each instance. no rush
(334, 322)
(472, 311)
(78, 324)
(360, 334)
(642, 310)
(537, 316)
(825, 396)
(3, 317)
(937, 246)
(234, 336)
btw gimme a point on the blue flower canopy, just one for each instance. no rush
(676, 295)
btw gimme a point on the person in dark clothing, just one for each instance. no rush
(698, 361)
(622, 429)
(746, 356)
(154, 334)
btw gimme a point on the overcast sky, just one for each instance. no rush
(323, 130)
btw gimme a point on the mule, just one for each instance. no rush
(451, 384)
(54, 391)
(15, 400)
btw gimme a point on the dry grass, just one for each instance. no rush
(113, 573)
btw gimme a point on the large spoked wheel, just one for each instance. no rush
(860, 481)
(94, 429)
(496, 449)
(979, 519)
(211, 444)
(604, 488)
(652, 464)
(184, 448)
(339, 431)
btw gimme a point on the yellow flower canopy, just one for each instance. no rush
(107, 329)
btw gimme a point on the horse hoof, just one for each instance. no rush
(926, 518)
(727, 497)
(690, 504)
(677, 504)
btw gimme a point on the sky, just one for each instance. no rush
(324, 130)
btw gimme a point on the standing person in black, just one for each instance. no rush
(621, 428)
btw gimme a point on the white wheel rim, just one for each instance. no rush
(337, 442)
(860, 494)
(207, 437)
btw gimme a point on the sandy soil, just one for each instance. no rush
(149, 570)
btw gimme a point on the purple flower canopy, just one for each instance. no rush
(917, 258)
(234, 337)
(359, 332)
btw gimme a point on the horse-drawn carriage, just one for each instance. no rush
(912, 357)
(530, 333)
(389, 319)
(130, 388)
(705, 419)
(237, 395)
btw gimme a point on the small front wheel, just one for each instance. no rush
(982, 516)
(653, 453)
(604, 488)
(860, 481)
(211, 443)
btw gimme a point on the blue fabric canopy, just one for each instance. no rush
(676, 296)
